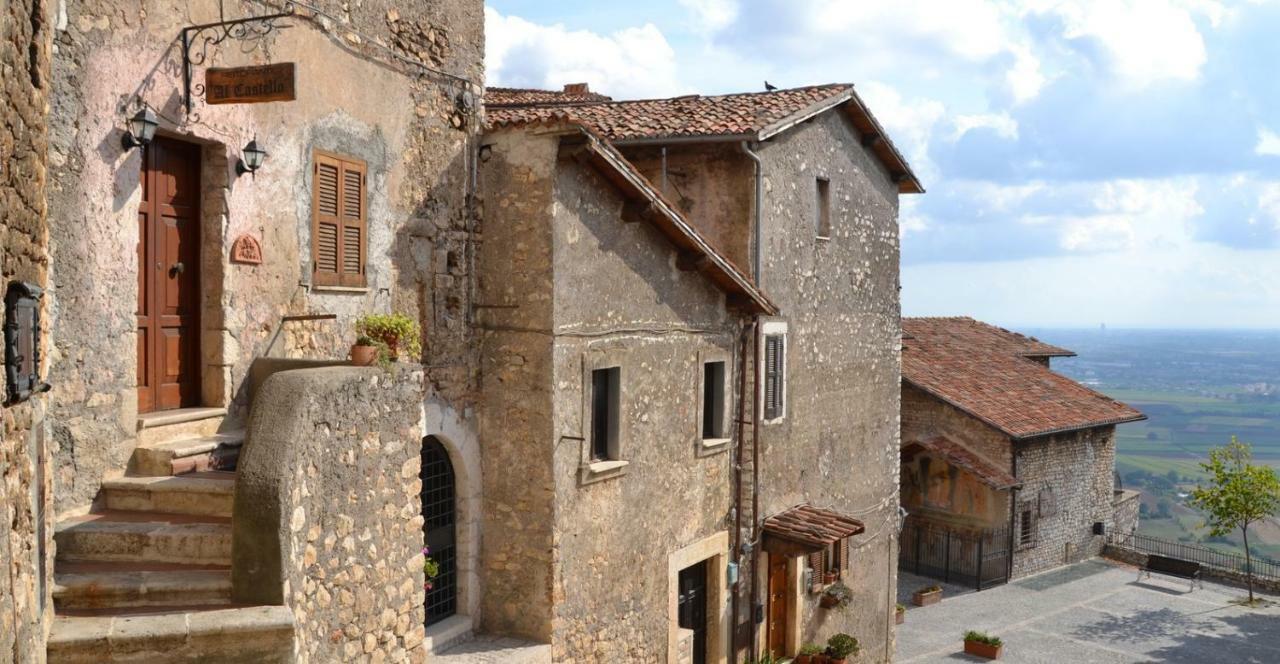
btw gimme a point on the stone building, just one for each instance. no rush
(1004, 461)
(689, 347)
(25, 493)
(180, 273)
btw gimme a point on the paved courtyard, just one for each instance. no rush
(1096, 611)
(487, 649)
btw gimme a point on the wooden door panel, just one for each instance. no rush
(778, 605)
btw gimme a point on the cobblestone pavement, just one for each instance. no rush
(486, 649)
(1097, 612)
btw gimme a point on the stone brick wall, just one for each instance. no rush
(1077, 469)
(358, 95)
(1124, 521)
(25, 547)
(925, 417)
(327, 519)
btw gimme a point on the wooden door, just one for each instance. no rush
(692, 607)
(779, 605)
(169, 276)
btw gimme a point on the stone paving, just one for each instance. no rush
(487, 649)
(1096, 611)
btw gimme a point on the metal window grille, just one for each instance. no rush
(439, 522)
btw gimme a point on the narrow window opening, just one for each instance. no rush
(713, 400)
(605, 384)
(774, 379)
(824, 208)
(1027, 528)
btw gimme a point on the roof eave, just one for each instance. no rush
(686, 138)
(1079, 427)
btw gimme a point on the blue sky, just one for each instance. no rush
(1087, 161)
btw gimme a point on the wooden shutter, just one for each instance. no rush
(772, 377)
(817, 564)
(339, 229)
(844, 557)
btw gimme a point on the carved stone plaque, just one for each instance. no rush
(246, 250)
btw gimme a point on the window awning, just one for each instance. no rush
(804, 529)
(962, 457)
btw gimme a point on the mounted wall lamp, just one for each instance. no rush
(252, 159)
(142, 128)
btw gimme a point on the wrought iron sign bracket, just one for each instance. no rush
(197, 40)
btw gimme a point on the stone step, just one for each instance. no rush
(189, 453)
(259, 634)
(203, 493)
(161, 426)
(121, 585)
(127, 536)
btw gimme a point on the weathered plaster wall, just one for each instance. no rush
(838, 444)
(327, 516)
(515, 417)
(621, 301)
(24, 455)
(945, 493)
(1078, 469)
(412, 127)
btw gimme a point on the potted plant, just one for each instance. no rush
(927, 596)
(829, 577)
(983, 644)
(836, 596)
(900, 615)
(365, 351)
(840, 647)
(808, 653)
(395, 332)
(430, 568)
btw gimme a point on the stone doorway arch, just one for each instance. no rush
(440, 528)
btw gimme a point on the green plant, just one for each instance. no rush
(930, 589)
(841, 593)
(430, 568)
(364, 340)
(1238, 495)
(983, 637)
(811, 649)
(902, 607)
(397, 332)
(841, 646)
(766, 657)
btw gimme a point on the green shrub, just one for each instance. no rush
(841, 646)
(982, 637)
(811, 649)
(392, 330)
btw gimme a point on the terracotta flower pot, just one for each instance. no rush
(827, 601)
(842, 660)
(804, 659)
(364, 356)
(983, 649)
(900, 616)
(393, 348)
(829, 578)
(921, 598)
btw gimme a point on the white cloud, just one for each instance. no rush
(1024, 79)
(1268, 143)
(1133, 214)
(712, 15)
(1001, 123)
(1145, 41)
(1269, 202)
(910, 123)
(634, 62)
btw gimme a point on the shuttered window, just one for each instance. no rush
(339, 227)
(834, 559)
(774, 379)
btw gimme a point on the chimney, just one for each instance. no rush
(576, 89)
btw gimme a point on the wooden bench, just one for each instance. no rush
(1181, 569)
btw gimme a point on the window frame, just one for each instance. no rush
(341, 280)
(610, 379)
(1028, 526)
(822, 207)
(774, 329)
(592, 469)
(714, 444)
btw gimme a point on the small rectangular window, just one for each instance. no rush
(605, 402)
(774, 378)
(824, 208)
(1027, 527)
(713, 400)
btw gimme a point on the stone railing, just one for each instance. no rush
(327, 519)
(1124, 510)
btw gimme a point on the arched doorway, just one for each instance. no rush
(439, 514)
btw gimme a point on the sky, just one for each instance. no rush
(1087, 162)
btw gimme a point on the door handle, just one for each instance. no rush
(178, 268)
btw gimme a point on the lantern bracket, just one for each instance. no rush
(198, 39)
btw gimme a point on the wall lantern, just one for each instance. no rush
(142, 128)
(252, 159)
(22, 342)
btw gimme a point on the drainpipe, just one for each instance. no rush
(755, 483)
(747, 331)
(757, 251)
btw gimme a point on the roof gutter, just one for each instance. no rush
(756, 250)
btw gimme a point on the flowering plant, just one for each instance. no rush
(430, 567)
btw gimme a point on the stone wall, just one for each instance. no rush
(364, 90)
(25, 577)
(1069, 481)
(925, 417)
(1124, 520)
(327, 517)
(1124, 554)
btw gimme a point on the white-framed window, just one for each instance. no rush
(822, 207)
(773, 358)
(604, 429)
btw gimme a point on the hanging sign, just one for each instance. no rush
(249, 85)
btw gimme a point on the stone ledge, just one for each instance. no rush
(599, 471)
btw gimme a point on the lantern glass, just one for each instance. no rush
(142, 126)
(254, 156)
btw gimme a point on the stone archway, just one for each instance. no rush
(439, 528)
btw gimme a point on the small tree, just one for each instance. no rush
(1238, 494)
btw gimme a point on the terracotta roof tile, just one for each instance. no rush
(985, 371)
(812, 526)
(498, 97)
(962, 457)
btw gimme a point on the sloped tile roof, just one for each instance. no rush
(498, 97)
(962, 457)
(812, 526)
(986, 372)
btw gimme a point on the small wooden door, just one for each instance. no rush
(692, 608)
(779, 605)
(169, 276)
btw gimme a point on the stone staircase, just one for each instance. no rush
(146, 577)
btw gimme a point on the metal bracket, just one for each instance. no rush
(197, 39)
